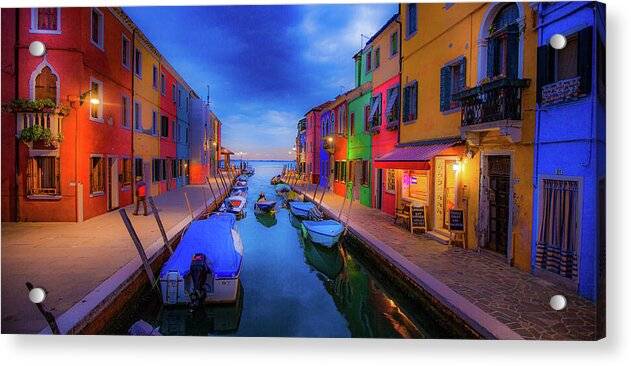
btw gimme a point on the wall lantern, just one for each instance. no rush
(37, 48)
(93, 100)
(456, 167)
(330, 139)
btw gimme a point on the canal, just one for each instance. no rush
(293, 288)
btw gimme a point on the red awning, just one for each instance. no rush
(416, 156)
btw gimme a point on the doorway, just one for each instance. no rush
(498, 203)
(379, 188)
(445, 179)
(112, 184)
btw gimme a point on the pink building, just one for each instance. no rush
(314, 140)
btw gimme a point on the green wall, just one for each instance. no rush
(359, 143)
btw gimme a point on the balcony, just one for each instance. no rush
(495, 105)
(40, 130)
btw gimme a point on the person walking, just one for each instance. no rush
(141, 195)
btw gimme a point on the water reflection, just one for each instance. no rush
(267, 219)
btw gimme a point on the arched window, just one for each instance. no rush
(503, 43)
(46, 85)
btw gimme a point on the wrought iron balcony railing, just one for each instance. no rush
(497, 100)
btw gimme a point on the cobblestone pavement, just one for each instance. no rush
(515, 298)
(71, 259)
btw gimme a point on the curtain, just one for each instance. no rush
(557, 242)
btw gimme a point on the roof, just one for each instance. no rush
(320, 107)
(226, 151)
(419, 151)
(383, 28)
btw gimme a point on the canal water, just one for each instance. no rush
(293, 288)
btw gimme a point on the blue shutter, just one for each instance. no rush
(543, 68)
(513, 51)
(490, 57)
(462, 81)
(414, 101)
(445, 88)
(585, 59)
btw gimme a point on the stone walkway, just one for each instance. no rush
(69, 260)
(515, 298)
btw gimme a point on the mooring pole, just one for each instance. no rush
(315, 191)
(339, 215)
(211, 191)
(50, 318)
(154, 209)
(322, 196)
(223, 182)
(188, 204)
(205, 199)
(139, 248)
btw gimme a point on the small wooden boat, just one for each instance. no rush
(242, 178)
(264, 206)
(325, 232)
(237, 189)
(276, 180)
(282, 188)
(241, 183)
(300, 209)
(234, 205)
(206, 265)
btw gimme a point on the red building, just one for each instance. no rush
(314, 140)
(168, 126)
(340, 142)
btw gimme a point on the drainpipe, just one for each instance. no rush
(400, 74)
(16, 67)
(133, 104)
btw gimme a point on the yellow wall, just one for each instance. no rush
(389, 64)
(444, 34)
(147, 146)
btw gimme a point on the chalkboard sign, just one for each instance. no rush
(417, 218)
(456, 220)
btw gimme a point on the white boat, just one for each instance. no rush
(234, 204)
(301, 209)
(241, 183)
(325, 232)
(206, 265)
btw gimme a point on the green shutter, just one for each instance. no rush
(513, 52)
(445, 88)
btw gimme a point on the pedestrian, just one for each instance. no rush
(141, 195)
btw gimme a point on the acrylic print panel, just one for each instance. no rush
(259, 178)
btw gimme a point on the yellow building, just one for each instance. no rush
(467, 120)
(146, 110)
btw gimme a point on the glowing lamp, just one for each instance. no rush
(456, 167)
(95, 101)
(330, 139)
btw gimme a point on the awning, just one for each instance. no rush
(375, 107)
(392, 99)
(225, 151)
(414, 156)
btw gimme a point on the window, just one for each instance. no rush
(375, 111)
(127, 171)
(163, 169)
(163, 84)
(452, 80)
(352, 123)
(137, 116)
(174, 168)
(164, 126)
(411, 20)
(341, 120)
(156, 174)
(367, 117)
(96, 92)
(365, 176)
(567, 60)
(174, 130)
(340, 171)
(368, 56)
(179, 97)
(46, 85)
(503, 43)
(558, 237)
(394, 43)
(390, 181)
(410, 100)
(138, 62)
(173, 92)
(377, 57)
(125, 52)
(43, 176)
(97, 28)
(154, 75)
(46, 20)
(138, 167)
(392, 106)
(154, 123)
(125, 111)
(97, 175)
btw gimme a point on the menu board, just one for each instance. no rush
(456, 220)
(417, 218)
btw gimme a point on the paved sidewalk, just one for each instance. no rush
(517, 299)
(69, 260)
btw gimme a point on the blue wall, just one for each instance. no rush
(182, 147)
(570, 139)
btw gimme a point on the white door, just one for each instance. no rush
(113, 163)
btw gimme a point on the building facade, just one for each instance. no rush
(201, 142)
(568, 241)
(168, 120)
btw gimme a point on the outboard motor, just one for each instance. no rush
(199, 272)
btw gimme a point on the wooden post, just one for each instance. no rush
(322, 196)
(205, 199)
(223, 183)
(154, 209)
(50, 318)
(339, 215)
(315, 192)
(211, 191)
(188, 204)
(139, 248)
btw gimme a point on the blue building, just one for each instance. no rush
(327, 124)
(569, 165)
(183, 134)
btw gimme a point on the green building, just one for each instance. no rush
(359, 138)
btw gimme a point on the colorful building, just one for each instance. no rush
(568, 243)
(201, 140)
(340, 143)
(182, 134)
(327, 129)
(81, 120)
(359, 136)
(301, 146)
(313, 142)
(384, 111)
(168, 120)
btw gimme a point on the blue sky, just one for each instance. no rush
(266, 65)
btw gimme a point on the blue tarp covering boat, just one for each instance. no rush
(301, 209)
(212, 237)
(325, 232)
(282, 187)
(265, 206)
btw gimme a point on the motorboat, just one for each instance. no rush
(241, 183)
(234, 204)
(301, 209)
(242, 178)
(264, 206)
(249, 171)
(237, 189)
(282, 188)
(276, 180)
(324, 232)
(206, 265)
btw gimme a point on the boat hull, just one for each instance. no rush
(300, 210)
(327, 239)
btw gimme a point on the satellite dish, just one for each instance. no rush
(37, 48)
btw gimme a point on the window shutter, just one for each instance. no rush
(543, 68)
(490, 57)
(462, 81)
(445, 88)
(414, 100)
(585, 59)
(513, 52)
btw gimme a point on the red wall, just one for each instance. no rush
(168, 144)
(382, 143)
(9, 188)
(341, 147)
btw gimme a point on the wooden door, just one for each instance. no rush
(499, 201)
